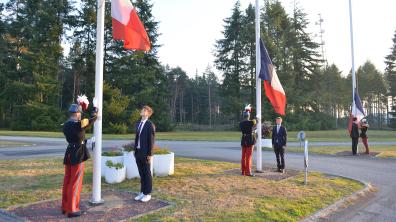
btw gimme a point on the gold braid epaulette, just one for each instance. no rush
(84, 123)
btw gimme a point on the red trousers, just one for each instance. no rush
(72, 185)
(365, 143)
(246, 161)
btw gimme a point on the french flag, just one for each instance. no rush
(357, 108)
(273, 88)
(128, 27)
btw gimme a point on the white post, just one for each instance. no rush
(258, 90)
(306, 162)
(97, 152)
(353, 63)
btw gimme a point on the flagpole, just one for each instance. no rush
(97, 152)
(259, 164)
(353, 57)
(354, 111)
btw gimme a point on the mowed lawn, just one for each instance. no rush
(313, 136)
(199, 190)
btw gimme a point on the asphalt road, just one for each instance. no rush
(379, 172)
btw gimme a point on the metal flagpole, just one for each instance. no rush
(353, 64)
(353, 57)
(97, 152)
(258, 90)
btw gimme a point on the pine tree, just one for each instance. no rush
(230, 59)
(390, 71)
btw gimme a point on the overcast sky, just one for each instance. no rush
(190, 27)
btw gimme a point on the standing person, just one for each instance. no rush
(75, 155)
(144, 142)
(279, 140)
(363, 134)
(354, 135)
(247, 143)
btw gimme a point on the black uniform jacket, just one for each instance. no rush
(247, 128)
(74, 132)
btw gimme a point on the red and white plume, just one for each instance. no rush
(248, 108)
(128, 27)
(83, 101)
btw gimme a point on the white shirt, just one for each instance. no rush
(277, 128)
(142, 122)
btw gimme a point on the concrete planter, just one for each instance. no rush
(130, 165)
(164, 164)
(113, 175)
(114, 159)
(266, 143)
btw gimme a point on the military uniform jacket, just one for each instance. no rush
(247, 128)
(74, 131)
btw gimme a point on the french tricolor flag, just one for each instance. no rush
(357, 108)
(128, 27)
(273, 88)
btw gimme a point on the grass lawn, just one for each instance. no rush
(385, 151)
(313, 136)
(199, 189)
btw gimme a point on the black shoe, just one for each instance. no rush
(75, 214)
(63, 212)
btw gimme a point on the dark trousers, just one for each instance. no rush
(144, 173)
(354, 145)
(280, 156)
(365, 143)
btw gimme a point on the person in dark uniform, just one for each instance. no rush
(354, 135)
(364, 127)
(248, 140)
(75, 155)
(144, 143)
(279, 140)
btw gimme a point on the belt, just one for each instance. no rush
(246, 134)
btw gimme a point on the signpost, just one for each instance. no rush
(301, 137)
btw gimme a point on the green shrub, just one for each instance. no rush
(117, 166)
(112, 153)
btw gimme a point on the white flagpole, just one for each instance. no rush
(354, 110)
(97, 152)
(353, 58)
(258, 90)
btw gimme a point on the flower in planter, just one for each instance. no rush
(129, 147)
(158, 151)
(112, 153)
(117, 166)
(266, 132)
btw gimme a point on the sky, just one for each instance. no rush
(190, 28)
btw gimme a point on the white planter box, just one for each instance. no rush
(114, 159)
(112, 175)
(164, 164)
(266, 143)
(130, 165)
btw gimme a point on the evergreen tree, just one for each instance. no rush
(230, 59)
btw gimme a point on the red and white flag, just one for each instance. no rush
(273, 88)
(128, 27)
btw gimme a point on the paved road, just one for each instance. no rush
(380, 172)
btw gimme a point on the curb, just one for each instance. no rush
(340, 203)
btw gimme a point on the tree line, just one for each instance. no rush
(38, 81)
